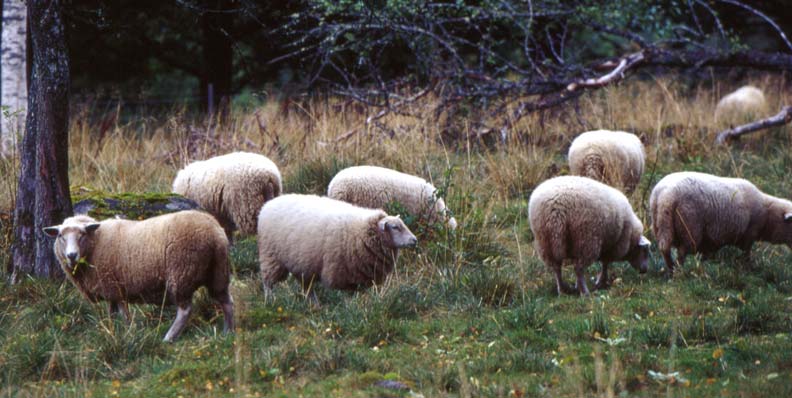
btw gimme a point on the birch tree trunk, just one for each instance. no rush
(43, 190)
(13, 74)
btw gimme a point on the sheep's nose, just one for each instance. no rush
(72, 257)
(413, 241)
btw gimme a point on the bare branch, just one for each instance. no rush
(782, 118)
(763, 16)
(615, 75)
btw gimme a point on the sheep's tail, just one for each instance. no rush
(271, 190)
(593, 167)
(662, 221)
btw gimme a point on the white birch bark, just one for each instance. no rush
(13, 74)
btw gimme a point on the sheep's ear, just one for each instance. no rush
(788, 218)
(90, 228)
(52, 232)
(643, 242)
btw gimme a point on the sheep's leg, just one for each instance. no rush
(682, 253)
(228, 317)
(271, 273)
(602, 279)
(746, 259)
(310, 291)
(580, 272)
(669, 261)
(182, 315)
(125, 311)
(112, 308)
(561, 286)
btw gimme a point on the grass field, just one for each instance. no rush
(469, 313)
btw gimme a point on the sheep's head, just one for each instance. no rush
(394, 234)
(786, 228)
(71, 239)
(639, 255)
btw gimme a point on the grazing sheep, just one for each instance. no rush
(315, 238)
(374, 187)
(231, 187)
(613, 157)
(583, 220)
(160, 260)
(746, 101)
(700, 213)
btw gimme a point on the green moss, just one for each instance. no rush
(129, 205)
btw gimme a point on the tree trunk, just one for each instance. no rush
(43, 190)
(13, 74)
(218, 55)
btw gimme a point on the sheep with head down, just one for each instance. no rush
(743, 103)
(231, 187)
(583, 220)
(163, 259)
(701, 213)
(613, 157)
(318, 239)
(375, 187)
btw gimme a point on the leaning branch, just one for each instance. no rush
(782, 118)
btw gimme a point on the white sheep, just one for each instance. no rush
(746, 101)
(374, 187)
(613, 157)
(700, 213)
(583, 220)
(319, 239)
(231, 187)
(160, 260)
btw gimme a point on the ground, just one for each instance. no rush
(467, 313)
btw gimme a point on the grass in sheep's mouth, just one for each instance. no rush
(470, 313)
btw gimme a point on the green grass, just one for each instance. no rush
(467, 313)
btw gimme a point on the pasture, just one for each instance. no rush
(469, 313)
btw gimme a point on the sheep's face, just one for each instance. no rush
(394, 233)
(639, 255)
(787, 228)
(71, 239)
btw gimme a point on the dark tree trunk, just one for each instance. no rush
(217, 54)
(43, 190)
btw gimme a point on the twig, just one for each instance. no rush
(782, 118)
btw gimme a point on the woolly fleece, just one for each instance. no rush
(231, 187)
(700, 213)
(583, 220)
(374, 187)
(613, 157)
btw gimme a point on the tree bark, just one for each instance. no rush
(13, 74)
(218, 55)
(43, 190)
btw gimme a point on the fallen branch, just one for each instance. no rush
(782, 118)
(615, 75)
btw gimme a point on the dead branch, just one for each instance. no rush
(615, 75)
(782, 118)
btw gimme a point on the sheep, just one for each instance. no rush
(316, 238)
(700, 213)
(374, 187)
(746, 101)
(613, 157)
(231, 187)
(160, 260)
(584, 220)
